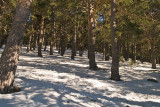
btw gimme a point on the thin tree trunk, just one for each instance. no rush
(127, 54)
(40, 42)
(9, 58)
(115, 55)
(106, 51)
(35, 41)
(74, 41)
(153, 55)
(134, 52)
(62, 42)
(91, 37)
(141, 53)
(52, 42)
(52, 46)
(29, 41)
(45, 44)
(81, 50)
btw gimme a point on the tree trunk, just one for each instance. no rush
(40, 42)
(91, 37)
(45, 44)
(52, 42)
(115, 55)
(62, 42)
(29, 41)
(35, 41)
(74, 41)
(134, 52)
(9, 58)
(127, 54)
(106, 51)
(141, 53)
(153, 55)
(81, 50)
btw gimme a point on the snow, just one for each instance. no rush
(58, 81)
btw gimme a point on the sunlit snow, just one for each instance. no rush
(58, 81)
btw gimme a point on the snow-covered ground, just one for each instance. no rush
(58, 81)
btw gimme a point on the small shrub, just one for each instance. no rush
(132, 62)
(121, 58)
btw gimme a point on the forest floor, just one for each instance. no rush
(58, 81)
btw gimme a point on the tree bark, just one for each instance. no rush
(35, 41)
(29, 40)
(40, 42)
(52, 42)
(115, 55)
(91, 38)
(127, 54)
(106, 51)
(9, 58)
(74, 41)
(62, 41)
(153, 55)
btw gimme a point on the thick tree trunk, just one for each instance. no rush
(115, 55)
(40, 42)
(91, 37)
(74, 42)
(153, 55)
(9, 59)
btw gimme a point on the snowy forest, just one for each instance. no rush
(80, 53)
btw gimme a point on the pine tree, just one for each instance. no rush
(9, 58)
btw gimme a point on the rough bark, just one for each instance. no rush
(115, 55)
(91, 37)
(9, 58)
